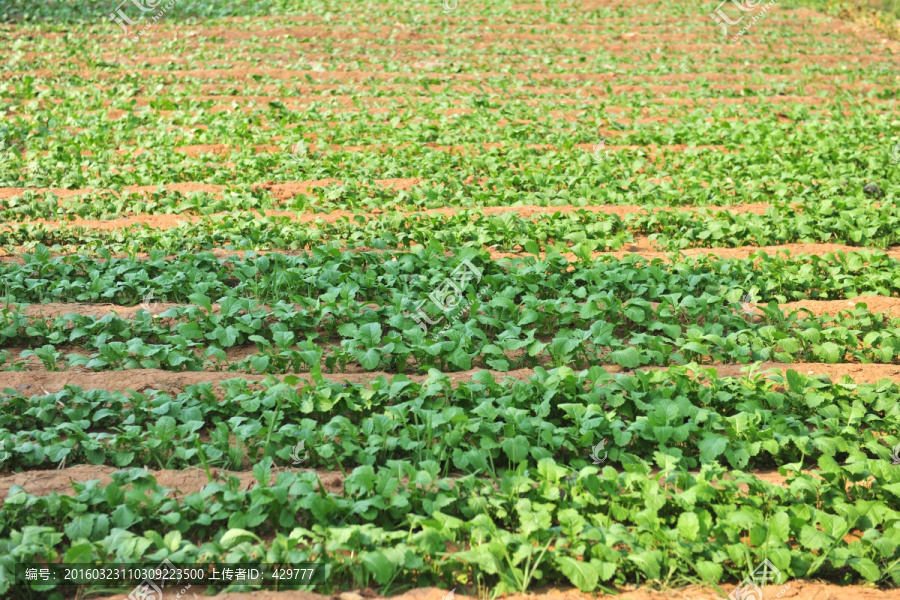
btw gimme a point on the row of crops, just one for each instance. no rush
(332, 310)
(856, 222)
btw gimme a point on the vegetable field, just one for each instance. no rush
(490, 298)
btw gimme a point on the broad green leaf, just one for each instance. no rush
(582, 575)
(689, 526)
(629, 358)
(234, 536)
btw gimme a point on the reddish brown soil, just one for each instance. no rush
(58, 309)
(860, 373)
(189, 481)
(874, 304)
(200, 149)
(39, 381)
(184, 188)
(643, 247)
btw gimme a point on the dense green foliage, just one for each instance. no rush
(315, 171)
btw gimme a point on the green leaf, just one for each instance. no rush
(370, 334)
(233, 536)
(516, 448)
(711, 446)
(532, 248)
(173, 540)
(865, 567)
(779, 527)
(582, 575)
(830, 352)
(795, 381)
(709, 571)
(80, 553)
(378, 565)
(369, 359)
(629, 358)
(812, 538)
(689, 526)
(201, 300)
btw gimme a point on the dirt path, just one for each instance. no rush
(874, 304)
(643, 247)
(48, 382)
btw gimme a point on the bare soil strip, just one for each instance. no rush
(644, 248)
(40, 381)
(46, 382)
(875, 304)
(51, 310)
(7, 193)
(858, 372)
(188, 481)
